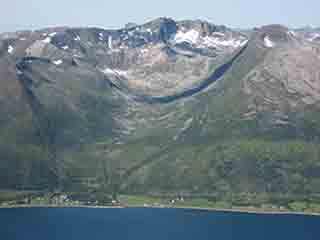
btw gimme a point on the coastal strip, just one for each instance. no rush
(226, 210)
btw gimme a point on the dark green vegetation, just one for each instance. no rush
(247, 140)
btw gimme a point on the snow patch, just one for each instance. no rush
(244, 43)
(217, 42)
(268, 43)
(101, 36)
(115, 72)
(47, 40)
(292, 33)
(313, 37)
(110, 42)
(191, 36)
(57, 62)
(52, 34)
(10, 49)
(108, 71)
(121, 72)
(220, 34)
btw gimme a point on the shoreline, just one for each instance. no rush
(226, 210)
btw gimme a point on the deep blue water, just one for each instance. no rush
(152, 224)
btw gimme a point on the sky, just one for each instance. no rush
(35, 14)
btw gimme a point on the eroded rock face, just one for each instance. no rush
(164, 57)
(160, 57)
(286, 78)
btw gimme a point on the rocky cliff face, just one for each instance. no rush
(170, 55)
(165, 106)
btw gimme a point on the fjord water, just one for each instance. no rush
(151, 224)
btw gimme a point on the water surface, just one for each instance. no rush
(152, 224)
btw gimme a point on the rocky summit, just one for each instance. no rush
(167, 107)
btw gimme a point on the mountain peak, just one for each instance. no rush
(273, 35)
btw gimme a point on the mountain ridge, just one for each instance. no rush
(84, 110)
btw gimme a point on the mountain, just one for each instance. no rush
(167, 107)
(309, 33)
